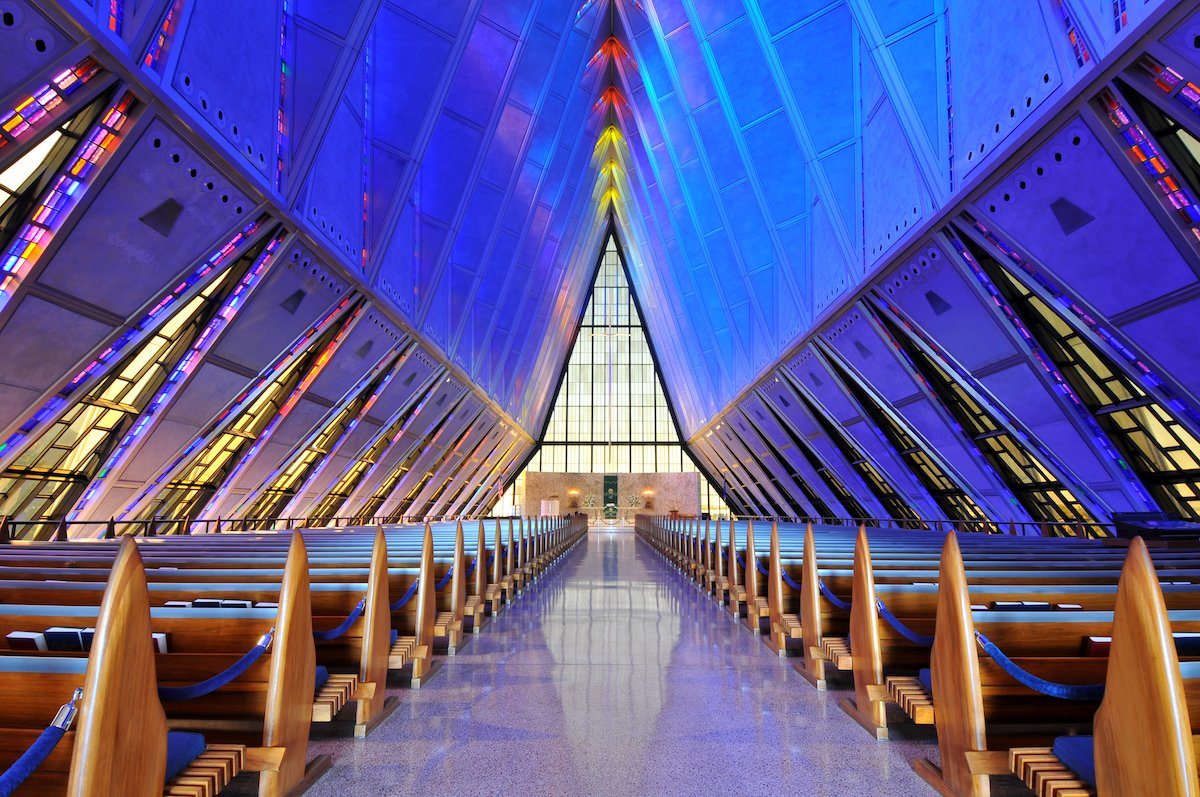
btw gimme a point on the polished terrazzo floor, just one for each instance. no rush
(614, 676)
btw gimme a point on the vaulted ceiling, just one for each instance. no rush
(456, 163)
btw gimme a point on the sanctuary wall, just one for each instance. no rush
(614, 497)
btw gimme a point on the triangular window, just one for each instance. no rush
(611, 414)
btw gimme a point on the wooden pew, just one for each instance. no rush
(979, 694)
(365, 647)
(271, 704)
(977, 704)
(475, 607)
(120, 744)
(885, 653)
(227, 550)
(1146, 727)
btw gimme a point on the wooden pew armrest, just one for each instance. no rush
(988, 762)
(263, 759)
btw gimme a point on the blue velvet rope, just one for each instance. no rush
(741, 562)
(901, 628)
(407, 596)
(35, 755)
(1088, 692)
(474, 564)
(788, 579)
(334, 633)
(210, 685)
(445, 579)
(29, 762)
(829, 596)
(760, 568)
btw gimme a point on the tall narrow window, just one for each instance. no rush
(1163, 453)
(954, 502)
(896, 507)
(268, 503)
(413, 503)
(810, 495)
(30, 174)
(59, 453)
(1039, 489)
(327, 508)
(215, 458)
(390, 482)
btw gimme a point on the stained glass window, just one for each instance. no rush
(1035, 485)
(327, 508)
(952, 499)
(273, 498)
(1151, 440)
(214, 461)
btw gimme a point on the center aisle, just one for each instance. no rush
(614, 676)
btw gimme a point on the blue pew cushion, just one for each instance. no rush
(926, 678)
(1079, 754)
(322, 677)
(182, 749)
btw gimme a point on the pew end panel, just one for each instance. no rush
(1144, 716)
(866, 656)
(954, 662)
(288, 713)
(811, 665)
(120, 708)
(377, 625)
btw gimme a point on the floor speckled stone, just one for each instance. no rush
(614, 676)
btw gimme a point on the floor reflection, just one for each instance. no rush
(614, 676)
(611, 631)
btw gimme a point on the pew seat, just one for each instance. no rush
(209, 772)
(475, 608)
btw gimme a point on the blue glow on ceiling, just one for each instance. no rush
(769, 155)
